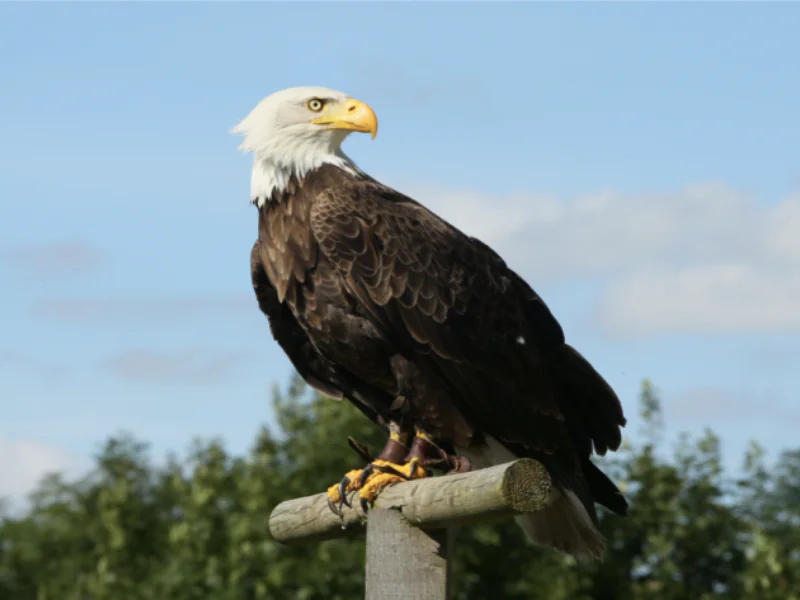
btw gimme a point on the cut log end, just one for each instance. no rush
(526, 485)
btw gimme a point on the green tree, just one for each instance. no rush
(770, 506)
(197, 526)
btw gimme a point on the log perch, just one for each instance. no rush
(442, 502)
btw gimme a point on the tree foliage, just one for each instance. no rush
(196, 528)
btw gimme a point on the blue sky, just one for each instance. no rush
(637, 163)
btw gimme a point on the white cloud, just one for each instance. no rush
(703, 258)
(722, 406)
(53, 259)
(752, 282)
(783, 229)
(197, 366)
(707, 298)
(146, 310)
(24, 462)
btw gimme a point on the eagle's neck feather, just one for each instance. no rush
(275, 167)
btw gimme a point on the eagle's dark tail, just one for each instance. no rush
(569, 522)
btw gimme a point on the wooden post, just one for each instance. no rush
(408, 545)
(403, 561)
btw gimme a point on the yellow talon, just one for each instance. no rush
(378, 480)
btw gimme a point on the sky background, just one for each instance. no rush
(638, 164)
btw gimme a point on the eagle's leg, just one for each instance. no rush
(392, 455)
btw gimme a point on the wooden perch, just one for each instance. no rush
(433, 503)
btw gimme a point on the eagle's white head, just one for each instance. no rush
(297, 130)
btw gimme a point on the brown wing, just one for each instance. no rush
(450, 300)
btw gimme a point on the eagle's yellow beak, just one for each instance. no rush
(353, 115)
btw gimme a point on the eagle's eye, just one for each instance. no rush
(315, 105)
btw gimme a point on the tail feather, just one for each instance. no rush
(568, 522)
(565, 523)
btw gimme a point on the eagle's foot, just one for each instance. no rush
(392, 457)
(370, 481)
(381, 473)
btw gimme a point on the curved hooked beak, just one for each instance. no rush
(353, 115)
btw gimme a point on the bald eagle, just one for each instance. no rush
(376, 299)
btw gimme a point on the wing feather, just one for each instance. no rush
(451, 300)
(287, 332)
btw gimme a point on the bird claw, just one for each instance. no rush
(332, 506)
(343, 501)
(337, 493)
(368, 470)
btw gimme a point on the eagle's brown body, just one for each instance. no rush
(376, 299)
